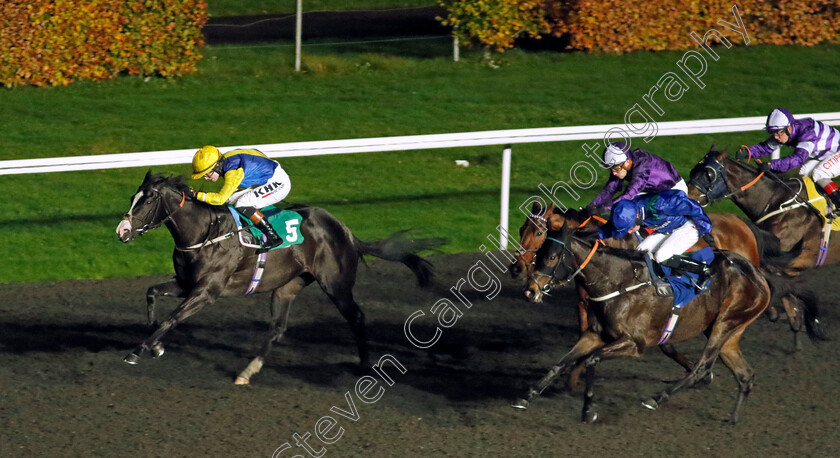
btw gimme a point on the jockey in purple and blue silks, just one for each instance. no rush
(816, 149)
(677, 221)
(645, 173)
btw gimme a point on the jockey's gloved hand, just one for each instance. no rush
(764, 166)
(710, 241)
(192, 193)
(743, 153)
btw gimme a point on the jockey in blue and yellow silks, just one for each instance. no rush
(251, 181)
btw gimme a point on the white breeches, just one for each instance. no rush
(662, 246)
(275, 190)
(825, 169)
(680, 185)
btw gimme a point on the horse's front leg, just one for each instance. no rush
(170, 288)
(187, 308)
(588, 343)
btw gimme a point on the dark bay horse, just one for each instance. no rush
(774, 205)
(210, 262)
(628, 323)
(730, 232)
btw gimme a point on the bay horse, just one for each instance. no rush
(775, 205)
(730, 232)
(634, 319)
(210, 262)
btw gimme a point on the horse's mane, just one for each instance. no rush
(630, 254)
(572, 214)
(173, 181)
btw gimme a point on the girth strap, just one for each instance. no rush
(259, 268)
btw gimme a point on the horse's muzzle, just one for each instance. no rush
(124, 231)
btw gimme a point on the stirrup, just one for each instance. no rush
(269, 244)
(661, 287)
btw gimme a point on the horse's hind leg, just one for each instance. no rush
(734, 360)
(793, 311)
(281, 304)
(356, 319)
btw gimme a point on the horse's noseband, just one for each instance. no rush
(712, 184)
(551, 272)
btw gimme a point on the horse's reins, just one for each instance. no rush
(148, 227)
(779, 180)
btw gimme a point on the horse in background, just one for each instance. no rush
(775, 204)
(210, 262)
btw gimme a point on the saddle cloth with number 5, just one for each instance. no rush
(285, 222)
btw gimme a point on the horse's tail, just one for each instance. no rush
(396, 247)
(770, 252)
(793, 289)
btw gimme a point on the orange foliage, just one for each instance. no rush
(55, 42)
(629, 25)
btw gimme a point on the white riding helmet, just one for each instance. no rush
(615, 154)
(778, 119)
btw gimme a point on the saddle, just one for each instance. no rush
(824, 205)
(285, 222)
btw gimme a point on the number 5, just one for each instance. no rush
(292, 230)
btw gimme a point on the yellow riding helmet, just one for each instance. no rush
(204, 160)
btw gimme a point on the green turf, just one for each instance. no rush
(217, 8)
(61, 225)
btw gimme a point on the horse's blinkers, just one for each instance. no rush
(712, 181)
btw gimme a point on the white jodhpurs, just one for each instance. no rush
(825, 169)
(662, 246)
(273, 191)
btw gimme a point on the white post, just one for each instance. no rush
(503, 224)
(456, 53)
(298, 33)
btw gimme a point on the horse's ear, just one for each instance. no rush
(536, 208)
(148, 175)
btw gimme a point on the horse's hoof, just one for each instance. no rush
(650, 404)
(132, 359)
(241, 381)
(157, 350)
(589, 417)
(520, 404)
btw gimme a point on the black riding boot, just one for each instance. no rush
(835, 199)
(272, 239)
(688, 264)
(661, 285)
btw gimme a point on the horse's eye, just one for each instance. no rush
(539, 234)
(553, 257)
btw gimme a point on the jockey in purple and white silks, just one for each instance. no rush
(645, 173)
(677, 221)
(816, 149)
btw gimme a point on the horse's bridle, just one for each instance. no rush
(552, 274)
(158, 202)
(715, 190)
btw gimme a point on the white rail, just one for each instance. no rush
(403, 143)
(413, 142)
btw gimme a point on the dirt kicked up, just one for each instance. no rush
(65, 391)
